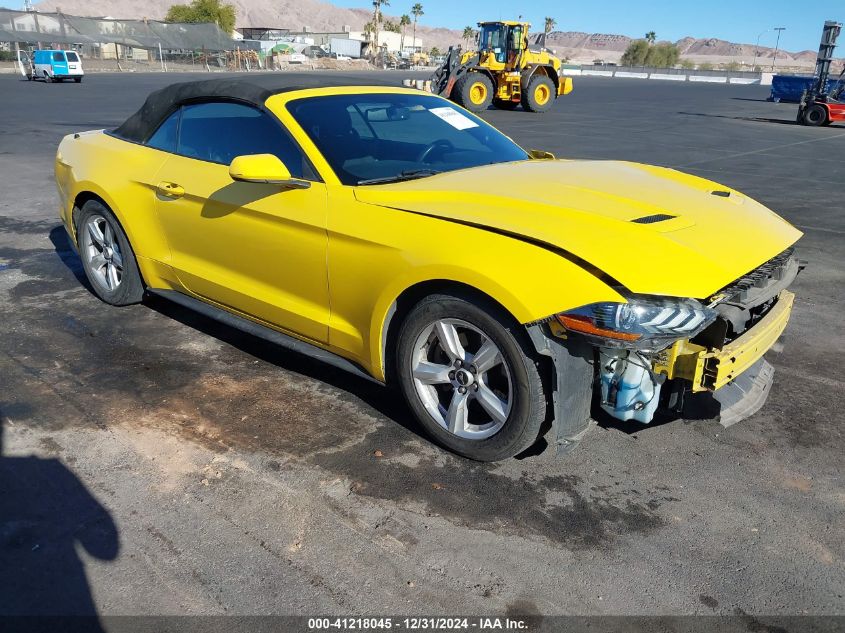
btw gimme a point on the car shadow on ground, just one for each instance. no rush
(46, 515)
(385, 400)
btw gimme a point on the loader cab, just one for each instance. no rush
(503, 40)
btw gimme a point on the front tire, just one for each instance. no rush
(107, 257)
(473, 91)
(814, 115)
(540, 95)
(471, 377)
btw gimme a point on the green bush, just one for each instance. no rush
(641, 53)
(7, 56)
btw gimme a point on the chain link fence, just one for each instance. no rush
(106, 44)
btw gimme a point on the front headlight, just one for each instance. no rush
(642, 324)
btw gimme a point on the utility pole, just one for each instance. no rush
(777, 44)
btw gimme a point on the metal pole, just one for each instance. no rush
(777, 44)
(161, 58)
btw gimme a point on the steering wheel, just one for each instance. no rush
(441, 143)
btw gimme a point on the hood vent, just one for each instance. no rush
(652, 219)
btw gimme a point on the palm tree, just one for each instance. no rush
(404, 21)
(551, 23)
(377, 5)
(651, 37)
(468, 33)
(417, 12)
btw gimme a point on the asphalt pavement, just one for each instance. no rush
(160, 463)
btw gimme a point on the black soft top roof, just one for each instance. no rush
(255, 89)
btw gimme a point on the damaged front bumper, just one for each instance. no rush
(634, 385)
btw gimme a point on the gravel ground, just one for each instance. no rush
(154, 462)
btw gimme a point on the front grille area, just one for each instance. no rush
(767, 274)
(747, 300)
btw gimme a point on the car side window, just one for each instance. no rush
(58, 57)
(167, 134)
(220, 131)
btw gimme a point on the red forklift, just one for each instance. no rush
(824, 104)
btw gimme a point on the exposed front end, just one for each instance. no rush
(652, 353)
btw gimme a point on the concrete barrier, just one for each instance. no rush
(630, 75)
(764, 79)
(743, 81)
(667, 77)
(708, 79)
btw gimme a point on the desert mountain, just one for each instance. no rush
(316, 15)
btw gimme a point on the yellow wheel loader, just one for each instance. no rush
(504, 71)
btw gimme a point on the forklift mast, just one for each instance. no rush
(830, 33)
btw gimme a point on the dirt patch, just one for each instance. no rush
(558, 508)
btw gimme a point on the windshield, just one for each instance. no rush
(372, 138)
(492, 39)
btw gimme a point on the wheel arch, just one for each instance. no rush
(477, 69)
(402, 305)
(541, 69)
(484, 71)
(86, 195)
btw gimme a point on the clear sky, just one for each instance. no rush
(732, 20)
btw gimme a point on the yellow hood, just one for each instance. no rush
(587, 208)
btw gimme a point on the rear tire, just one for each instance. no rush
(107, 257)
(47, 78)
(541, 94)
(503, 104)
(78, 80)
(814, 115)
(473, 91)
(503, 406)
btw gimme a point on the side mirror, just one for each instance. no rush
(266, 169)
(538, 154)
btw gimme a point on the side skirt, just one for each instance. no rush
(263, 332)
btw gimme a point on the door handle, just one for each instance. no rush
(170, 189)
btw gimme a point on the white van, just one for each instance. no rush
(55, 65)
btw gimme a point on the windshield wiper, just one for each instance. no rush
(408, 174)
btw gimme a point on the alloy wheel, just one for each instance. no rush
(462, 379)
(102, 252)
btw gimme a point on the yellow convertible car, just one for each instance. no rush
(509, 295)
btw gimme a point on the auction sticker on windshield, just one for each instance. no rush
(454, 118)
